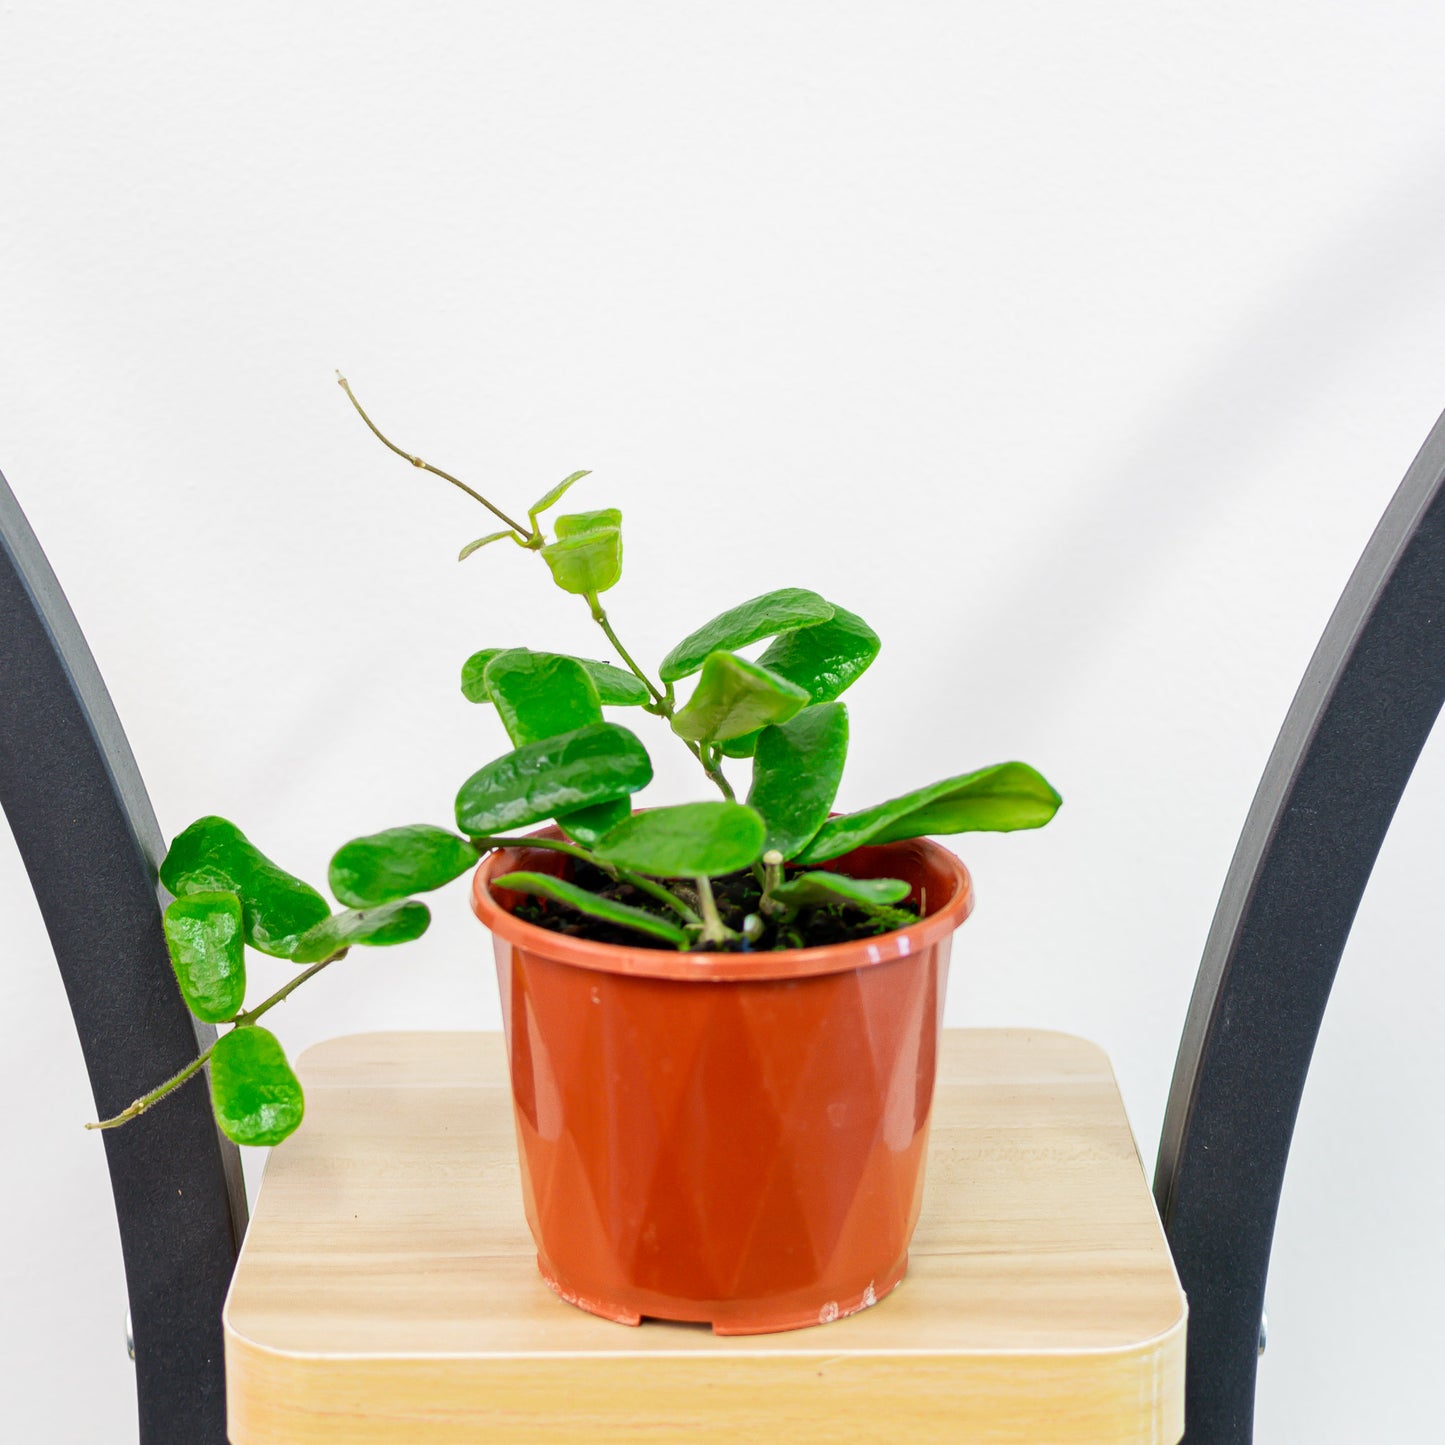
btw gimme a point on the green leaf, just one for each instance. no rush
(546, 886)
(550, 499)
(597, 764)
(734, 696)
(796, 772)
(576, 523)
(378, 927)
(215, 856)
(256, 1098)
(615, 686)
(541, 694)
(482, 542)
(749, 622)
(588, 563)
(686, 841)
(397, 862)
(826, 660)
(474, 674)
(208, 953)
(1000, 799)
(822, 889)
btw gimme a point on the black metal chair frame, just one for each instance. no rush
(89, 838)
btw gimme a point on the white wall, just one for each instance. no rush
(1078, 348)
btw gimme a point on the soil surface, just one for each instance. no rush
(737, 895)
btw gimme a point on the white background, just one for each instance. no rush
(1077, 348)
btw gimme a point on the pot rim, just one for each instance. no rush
(666, 963)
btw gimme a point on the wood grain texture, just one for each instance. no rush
(387, 1290)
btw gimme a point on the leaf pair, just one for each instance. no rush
(818, 650)
(227, 894)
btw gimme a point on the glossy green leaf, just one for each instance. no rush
(588, 563)
(208, 952)
(1000, 799)
(544, 885)
(734, 696)
(541, 694)
(474, 674)
(482, 542)
(256, 1097)
(615, 686)
(397, 862)
(686, 841)
(749, 622)
(796, 772)
(824, 889)
(378, 927)
(215, 856)
(597, 764)
(826, 660)
(576, 523)
(550, 499)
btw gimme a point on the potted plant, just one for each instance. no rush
(722, 1015)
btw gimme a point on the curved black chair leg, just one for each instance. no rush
(1349, 743)
(90, 843)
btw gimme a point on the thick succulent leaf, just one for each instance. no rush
(575, 523)
(550, 499)
(541, 694)
(482, 542)
(615, 686)
(256, 1097)
(208, 952)
(588, 563)
(734, 696)
(474, 674)
(597, 764)
(826, 660)
(823, 889)
(378, 927)
(544, 885)
(1000, 799)
(748, 622)
(796, 772)
(689, 840)
(215, 856)
(397, 862)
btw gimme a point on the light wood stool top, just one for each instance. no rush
(388, 1290)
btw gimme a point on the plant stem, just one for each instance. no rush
(556, 845)
(155, 1095)
(713, 930)
(525, 534)
(242, 1020)
(662, 702)
(661, 893)
(599, 615)
(251, 1015)
(772, 876)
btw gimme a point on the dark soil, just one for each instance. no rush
(737, 895)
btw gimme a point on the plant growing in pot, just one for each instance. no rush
(722, 1016)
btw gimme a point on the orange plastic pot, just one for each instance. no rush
(736, 1139)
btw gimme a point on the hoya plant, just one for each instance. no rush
(702, 876)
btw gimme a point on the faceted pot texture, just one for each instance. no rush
(736, 1139)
